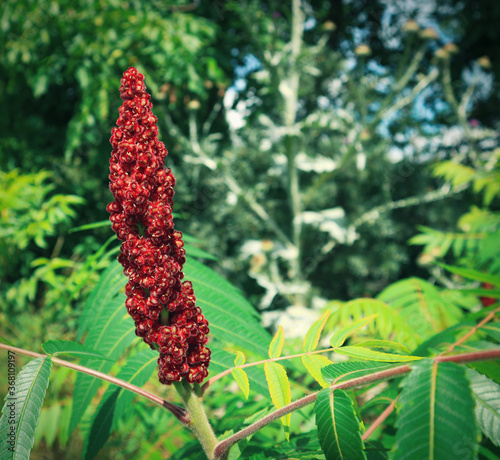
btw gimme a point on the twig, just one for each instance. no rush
(380, 419)
(178, 411)
(428, 197)
(473, 330)
(223, 447)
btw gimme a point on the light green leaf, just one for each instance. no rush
(487, 395)
(341, 372)
(66, 347)
(473, 274)
(280, 391)
(366, 353)
(193, 251)
(313, 364)
(277, 343)
(20, 413)
(383, 344)
(313, 334)
(221, 361)
(240, 358)
(232, 319)
(338, 427)
(340, 337)
(490, 369)
(436, 420)
(117, 400)
(242, 380)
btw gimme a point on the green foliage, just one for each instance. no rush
(22, 408)
(338, 427)
(487, 396)
(436, 419)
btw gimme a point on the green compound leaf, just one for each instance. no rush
(22, 409)
(338, 427)
(241, 378)
(277, 343)
(487, 395)
(314, 364)
(111, 282)
(232, 318)
(313, 334)
(436, 420)
(66, 347)
(366, 353)
(280, 391)
(110, 336)
(340, 337)
(383, 344)
(117, 400)
(342, 372)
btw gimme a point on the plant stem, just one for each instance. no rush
(380, 419)
(290, 102)
(178, 411)
(199, 423)
(223, 447)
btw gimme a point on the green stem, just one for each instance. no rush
(199, 423)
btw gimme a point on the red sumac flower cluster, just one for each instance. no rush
(152, 254)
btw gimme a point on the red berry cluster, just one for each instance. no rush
(152, 254)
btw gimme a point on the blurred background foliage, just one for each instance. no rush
(309, 146)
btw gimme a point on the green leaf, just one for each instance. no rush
(436, 420)
(487, 395)
(313, 334)
(100, 224)
(111, 282)
(110, 336)
(338, 427)
(490, 369)
(314, 364)
(280, 391)
(383, 344)
(340, 337)
(20, 413)
(6, 342)
(388, 323)
(232, 319)
(277, 343)
(221, 361)
(240, 358)
(366, 353)
(421, 305)
(341, 372)
(66, 347)
(117, 400)
(193, 251)
(472, 274)
(242, 380)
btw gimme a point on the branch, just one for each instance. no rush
(404, 101)
(379, 420)
(223, 447)
(178, 411)
(428, 197)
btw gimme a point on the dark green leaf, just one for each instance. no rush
(116, 400)
(436, 420)
(341, 372)
(338, 427)
(232, 319)
(20, 413)
(66, 347)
